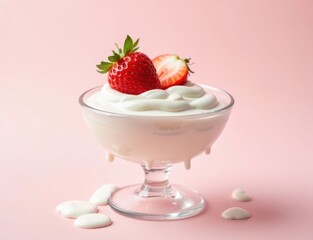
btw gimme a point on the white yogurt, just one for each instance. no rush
(76, 208)
(102, 195)
(235, 213)
(240, 195)
(93, 220)
(184, 99)
(172, 132)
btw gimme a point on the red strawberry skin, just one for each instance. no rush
(134, 74)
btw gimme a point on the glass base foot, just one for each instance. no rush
(181, 203)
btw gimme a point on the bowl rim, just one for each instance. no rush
(198, 115)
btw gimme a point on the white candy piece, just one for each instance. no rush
(235, 213)
(76, 208)
(93, 220)
(102, 195)
(240, 195)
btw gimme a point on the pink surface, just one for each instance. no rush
(260, 51)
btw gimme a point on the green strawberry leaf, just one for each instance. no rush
(120, 51)
(114, 58)
(117, 56)
(135, 44)
(111, 58)
(104, 67)
(128, 45)
(135, 49)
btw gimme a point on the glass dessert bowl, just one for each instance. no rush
(156, 142)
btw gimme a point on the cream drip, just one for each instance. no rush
(110, 157)
(187, 163)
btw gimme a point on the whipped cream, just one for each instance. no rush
(184, 99)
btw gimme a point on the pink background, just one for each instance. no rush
(260, 51)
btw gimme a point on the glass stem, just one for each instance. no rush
(156, 182)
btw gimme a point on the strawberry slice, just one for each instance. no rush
(171, 69)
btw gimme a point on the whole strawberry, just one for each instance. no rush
(130, 72)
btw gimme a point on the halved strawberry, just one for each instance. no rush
(171, 69)
(129, 71)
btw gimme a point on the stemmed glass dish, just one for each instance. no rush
(157, 142)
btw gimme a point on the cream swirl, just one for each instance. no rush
(173, 99)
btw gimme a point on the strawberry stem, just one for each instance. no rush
(187, 61)
(129, 47)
